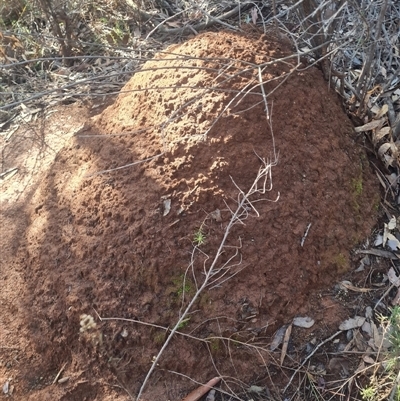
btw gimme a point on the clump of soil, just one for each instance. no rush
(202, 126)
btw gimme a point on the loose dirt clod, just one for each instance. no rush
(105, 241)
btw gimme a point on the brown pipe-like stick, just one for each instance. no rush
(195, 395)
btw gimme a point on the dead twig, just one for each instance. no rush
(308, 357)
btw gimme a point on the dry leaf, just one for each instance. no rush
(360, 368)
(378, 240)
(366, 328)
(365, 261)
(211, 395)
(376, 338)
(392, 223)
(352, 323)
(368, 359)
(359, 341)
(378, 135)
(375, 109)
(385, 234)
(378, 252)
(385, 148)
(305, 322)
(278, 338)
(396, 299)
(388, 159)
(380, 338)
(392, 242)
(285, 343)
(393, 180)
(339, 366)
(382, 111)
(348, 286)
(393, 277)
(369, 313)
(371, 125)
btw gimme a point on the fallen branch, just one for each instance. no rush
(195, 395)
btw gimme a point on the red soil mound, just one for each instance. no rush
(106, 242)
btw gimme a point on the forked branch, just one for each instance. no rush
(245, 202)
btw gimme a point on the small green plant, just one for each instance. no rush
(395, 331)
(199, 238)
(385, 385)
(182, 286)
(341, 262)
(358, 186)
(368, 393)
(215, 344)
(159, 338)
(184, 323)
(357, 190)
(184, 289)
(313, 388)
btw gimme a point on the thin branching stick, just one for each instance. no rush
(244, 201)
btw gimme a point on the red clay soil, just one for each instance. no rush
(104, 243)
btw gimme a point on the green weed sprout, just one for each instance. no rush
(184, 323)
(368, 393)
(387, 384)
(199, 238)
